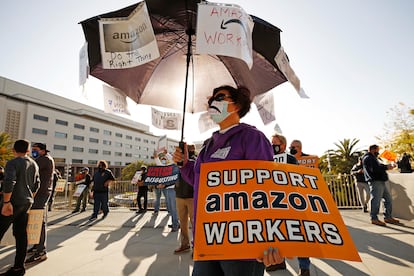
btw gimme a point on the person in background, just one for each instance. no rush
(46, 168)
(184, 197)
(404, 164)
(296, 149)
(102, 179)
(56, 177)
(84, 196)
(142, 191)
(21, 181)
(234, 141)
(376, 175)
(160, 160)
(279, 145)
(1, 181)
(363, 188)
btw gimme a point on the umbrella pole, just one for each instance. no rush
(190, 31)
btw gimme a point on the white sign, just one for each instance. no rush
(166, 120)
(114, 102)
(79, 190)
(266, 107)
(128, 41)
(224, 29)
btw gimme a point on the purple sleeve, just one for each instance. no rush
(187, 172)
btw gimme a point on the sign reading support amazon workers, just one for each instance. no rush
(246, 206)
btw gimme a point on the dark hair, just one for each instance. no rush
(372, 147)
(21, 146)
(240, 96)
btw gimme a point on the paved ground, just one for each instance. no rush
(129, 244)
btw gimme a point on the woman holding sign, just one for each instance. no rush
(234, 141)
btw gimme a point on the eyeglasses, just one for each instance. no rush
(219, 97)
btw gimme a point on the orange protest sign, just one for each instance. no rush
(388, 155)
(311, 161)
(246, 206)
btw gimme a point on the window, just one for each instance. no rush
(128, 137)
(40, 118)
(137, 139)
(77, 149)
(118, 144)
(77, 161)
(118, 163)
(146, 141)
(106, 152)
(93, 140)
(107, 142)
(107, 132)
(93, 151)
(39, 131)
(128, 146)
(61, 122)
(94, 129)
(78, 137)
(152, 142)
(92, 162)
(128, 154)
(118, 153)
(61, 134)
(118, 134)
(59, 147)
(78, 126)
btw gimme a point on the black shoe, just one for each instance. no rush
(304, 272)
(83, 210)
(275, 267)
(104, 215)
(14, 271)
(92, 218)
(32, 250)
(75, 211)
(37, 258)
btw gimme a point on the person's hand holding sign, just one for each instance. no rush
(270, 257)
(180, 156)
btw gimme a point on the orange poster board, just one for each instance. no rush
(246, 206)
(311, 161)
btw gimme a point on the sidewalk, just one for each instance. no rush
(126, 243)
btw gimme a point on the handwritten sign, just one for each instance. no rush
(224, 29)
(60, 185)
(165, 175)
(244, 207)
(79, 190)
(34, 227)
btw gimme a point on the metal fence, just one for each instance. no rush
(123, 193)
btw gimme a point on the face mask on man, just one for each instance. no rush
(276, 149)
(376, 153)
(163, 161)
(293, 151)
(218, 111)
(35, 154)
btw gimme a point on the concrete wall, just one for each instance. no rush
(401, 186)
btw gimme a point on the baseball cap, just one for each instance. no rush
(41, 146)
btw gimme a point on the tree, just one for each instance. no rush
(128, 172)
(6, 152)
(399, 130)
(341, 159)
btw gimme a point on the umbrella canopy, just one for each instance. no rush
(172, 81)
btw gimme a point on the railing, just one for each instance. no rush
(123, 193)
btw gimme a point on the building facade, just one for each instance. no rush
(77, 135)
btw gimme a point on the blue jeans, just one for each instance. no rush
(228, 267)
(158, 199)
(379, 191)
(170, 198)
(100, 201)
(304, 262)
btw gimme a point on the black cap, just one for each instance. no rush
(41, 146)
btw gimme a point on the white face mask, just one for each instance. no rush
(218, 111)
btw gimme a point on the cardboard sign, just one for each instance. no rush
(244, 207)
(60, 185)
(79, 190)
(136, 177)
(34, 227)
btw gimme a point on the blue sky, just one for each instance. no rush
(354, 59)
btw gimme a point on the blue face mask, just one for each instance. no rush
(218, 111)
(35, 154)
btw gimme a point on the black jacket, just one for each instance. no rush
(183, 189)
(373, 169)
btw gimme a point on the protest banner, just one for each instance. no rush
(164, 175)
(137, 177)
(60, 185)
(244, 207)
